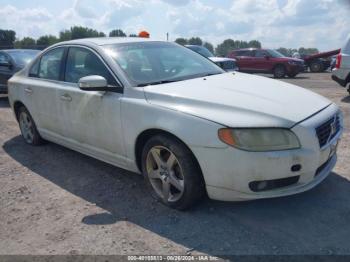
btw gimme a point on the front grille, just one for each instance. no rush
(328, 130)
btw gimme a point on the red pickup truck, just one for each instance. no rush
(254, 60)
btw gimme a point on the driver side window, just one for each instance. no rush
(260, 53)
(82, 62)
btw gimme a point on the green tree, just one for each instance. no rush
(7, 38)
(46, 40)
(225, 47)
(181, 41)
(307, 51)
(117, 32)
(195, 41)
(78, 32)
(287, 51)
(26, 43)
(254, 44)
(209, 46)
(65, 35)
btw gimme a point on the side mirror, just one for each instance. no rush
(97, 83)
(93, 83)
(267, 57)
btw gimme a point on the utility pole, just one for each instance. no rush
(167, 37)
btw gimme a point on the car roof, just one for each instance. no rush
(249, 49)
(106, 40)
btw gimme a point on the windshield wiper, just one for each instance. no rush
(157, 83)
(212, 74)
(177, 80)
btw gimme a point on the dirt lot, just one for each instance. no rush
(56, 201)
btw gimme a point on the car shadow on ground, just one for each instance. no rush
(346, 99)
(315, 222)
(4, 102)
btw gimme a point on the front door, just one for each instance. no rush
(92, 119)
(263, 61)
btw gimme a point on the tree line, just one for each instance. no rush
(222, 49)
(8, 40)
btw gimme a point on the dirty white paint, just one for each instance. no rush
(105, 125)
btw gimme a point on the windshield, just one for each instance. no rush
(23, 57)
(159, 62)
(275, 53)
(201, 50)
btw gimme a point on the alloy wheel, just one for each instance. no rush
(27, 127)
(165, 173)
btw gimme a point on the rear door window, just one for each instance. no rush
(260, 53)
(50, 64)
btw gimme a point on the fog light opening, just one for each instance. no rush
(261, 185)
(295, 168)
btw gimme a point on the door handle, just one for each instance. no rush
(28, 90)
(66, 97)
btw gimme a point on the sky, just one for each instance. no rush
(324, 24)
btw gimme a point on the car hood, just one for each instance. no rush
(238, 100)
(221, 59)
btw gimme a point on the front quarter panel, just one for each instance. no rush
(138, 116)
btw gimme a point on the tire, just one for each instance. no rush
(28, 128)
(279, 71)
(171, 172)
(316, 66)
(292, 75)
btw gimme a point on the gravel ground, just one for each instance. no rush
(57, 201)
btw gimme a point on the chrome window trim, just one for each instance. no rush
(65, 60)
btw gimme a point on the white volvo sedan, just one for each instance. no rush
(190, 128)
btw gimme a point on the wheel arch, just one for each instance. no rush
(16, 106)
(145, 135)
(279, 64)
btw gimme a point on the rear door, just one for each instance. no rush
(92, 119)
(42, 91)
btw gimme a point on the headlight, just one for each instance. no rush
(259, 139)
(292, 62)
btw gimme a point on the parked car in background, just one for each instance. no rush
(189, 127)
(254, 60)
(11, 61)
(341, 73)
(333, 62)
(228, 64)
(319, 62)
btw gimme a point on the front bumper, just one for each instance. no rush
(295, 68)
(228, 172)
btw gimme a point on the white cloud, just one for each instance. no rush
(290, 23)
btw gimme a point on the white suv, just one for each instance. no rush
(341, 73)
